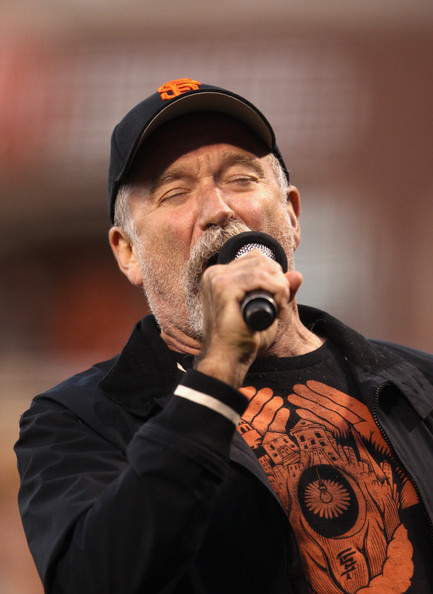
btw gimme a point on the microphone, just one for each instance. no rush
(259, 308)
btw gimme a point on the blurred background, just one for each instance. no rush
(348, 87)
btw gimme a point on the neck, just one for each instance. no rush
(292, 339)
(179, 341)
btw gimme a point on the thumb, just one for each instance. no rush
(295, 279)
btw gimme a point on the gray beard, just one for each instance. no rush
(158, 286)
(206, 248)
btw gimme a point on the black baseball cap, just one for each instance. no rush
(174, 99)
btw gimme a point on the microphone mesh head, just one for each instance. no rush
(255, 246)
(241, 244)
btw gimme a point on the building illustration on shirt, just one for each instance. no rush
(330, 469)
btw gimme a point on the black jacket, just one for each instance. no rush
(126, 489)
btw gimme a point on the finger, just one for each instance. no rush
(279, 423)
(264, 419)
(320, 413)
(258, 272)
(327, 402)
(269, 407)
(225, 286)
(256, 404)
(342, 398)
(295, 279)
(248, 391)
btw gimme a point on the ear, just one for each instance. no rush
(294, 210)
(125, 253)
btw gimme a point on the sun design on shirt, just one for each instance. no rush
(327, 498)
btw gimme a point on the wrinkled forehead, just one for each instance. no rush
(189, 133)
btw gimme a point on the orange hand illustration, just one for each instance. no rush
(338, 411)
(265, 411)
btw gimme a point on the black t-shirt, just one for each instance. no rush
(357, 518)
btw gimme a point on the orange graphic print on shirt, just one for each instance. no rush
(331, 469)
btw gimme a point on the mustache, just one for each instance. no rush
(206, 250)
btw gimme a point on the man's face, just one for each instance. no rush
(197, 182)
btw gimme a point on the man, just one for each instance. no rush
(208, 456)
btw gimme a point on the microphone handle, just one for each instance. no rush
(259, 310)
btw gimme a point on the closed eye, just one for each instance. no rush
(173, 194)
(244, 179)
(241, 181)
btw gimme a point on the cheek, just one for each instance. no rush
(249, 210)
(168, 239)
(262, 214)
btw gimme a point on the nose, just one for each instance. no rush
(213, 207)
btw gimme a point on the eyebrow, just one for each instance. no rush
(166, 178)
(228, 160)
(232, 159)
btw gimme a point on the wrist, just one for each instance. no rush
(225, 368)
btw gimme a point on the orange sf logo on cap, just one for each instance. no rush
(172, 89)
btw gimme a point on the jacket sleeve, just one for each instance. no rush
(105, 521)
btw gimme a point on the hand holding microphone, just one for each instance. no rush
(229, 347)
(259, 308)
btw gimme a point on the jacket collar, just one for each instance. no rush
(366, 354)
(374, 363)
(146, 372)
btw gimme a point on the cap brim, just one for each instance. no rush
(211, 101)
